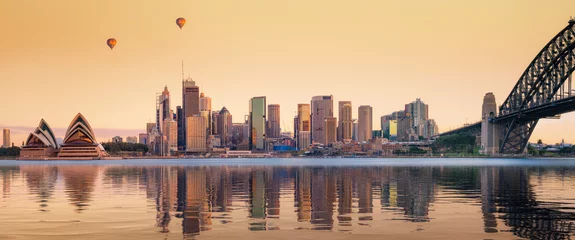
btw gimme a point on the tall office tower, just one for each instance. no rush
(345, 125)
(295, 126)
(143, 138)
(304, 123)
(419, 112)
(365, 126)
(321, 108)
(181, 128)
(330, 130)
(224, 126)
(206, 105)
(163, 109)
(190, 102)
(213, 123)
(170, 131)
(196, 134)
(191, 98)
(273, 121)
(6, 137)
(257, 123)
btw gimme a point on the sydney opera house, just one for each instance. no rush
(78, 144)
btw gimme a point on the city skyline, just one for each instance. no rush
(142, 63)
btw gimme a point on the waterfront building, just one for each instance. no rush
(304, 139)
(196, 134)
(345, 125)
(321, 108)
(257, 121)
(330, 130)
(117, 139)
(80, 141)
(430, 129)
(385, 125)
(304, 122)
(170, 131)
(143, 138)
(365, 126)
(40, 144)
(6, 137)
(224, 126)
(273, 121)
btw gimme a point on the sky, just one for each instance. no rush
(54, 61)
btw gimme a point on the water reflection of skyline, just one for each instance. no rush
(192, 200)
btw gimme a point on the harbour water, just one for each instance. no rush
(288, 199)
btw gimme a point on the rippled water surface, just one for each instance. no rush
(288, 199)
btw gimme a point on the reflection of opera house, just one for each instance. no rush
(79, 143)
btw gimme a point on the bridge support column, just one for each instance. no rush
(490, 136)
(490, 131)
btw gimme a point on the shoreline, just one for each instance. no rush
(279, 157)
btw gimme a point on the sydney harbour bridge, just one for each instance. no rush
(543, 91)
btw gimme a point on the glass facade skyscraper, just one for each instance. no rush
(257, 124)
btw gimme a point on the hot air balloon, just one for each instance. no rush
(111, 42)
(181, 22)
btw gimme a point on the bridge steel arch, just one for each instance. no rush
(541, 83)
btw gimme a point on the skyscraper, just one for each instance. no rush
(273, 121)
(321, 108)
(163, 109)
(330, 130)
(295, 127)
(170, 131)
(224, 126)
(181, 128)
(6, 137)
(257, 123)
(205, 103)
(206, 106)
(191, 98)
(365, 125)
(419, 113)
(345, 126)
(190, 103)
(304, 125)
(196, 134)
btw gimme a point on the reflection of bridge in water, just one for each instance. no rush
(544, 90)
(192, 200)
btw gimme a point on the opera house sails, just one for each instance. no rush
(78, 144)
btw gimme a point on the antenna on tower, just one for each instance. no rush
(182, 70)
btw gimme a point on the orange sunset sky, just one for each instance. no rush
(54, 61)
